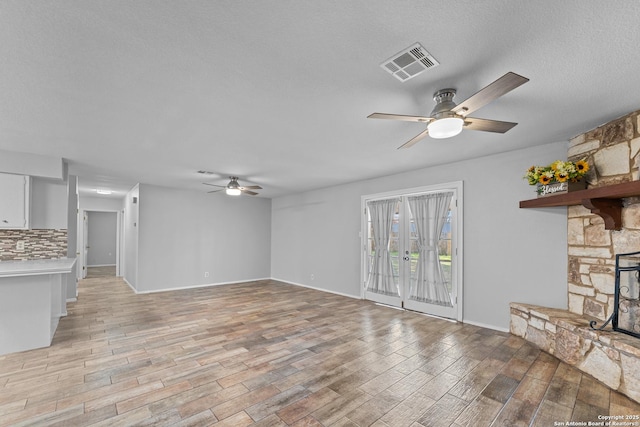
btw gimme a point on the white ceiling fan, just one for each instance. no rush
(233, 188)
(448, 118)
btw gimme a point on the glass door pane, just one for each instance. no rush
(444, 251)
(375, 254)
(413, 248)
(394, 247)
(445, 258)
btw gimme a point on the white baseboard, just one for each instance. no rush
(484, 325)
(101, 265)
(470, 322)
(72, 299)
(206, 285)
(127, 282)
(316, 289)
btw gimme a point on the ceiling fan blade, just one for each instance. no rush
(503, 85)
(214, 191)
(415, 139)
(251, 187)
(251, 193)
(486, 125)
(419, 119)
(214, 185)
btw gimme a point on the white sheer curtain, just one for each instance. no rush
(430, 213)
(380, 278)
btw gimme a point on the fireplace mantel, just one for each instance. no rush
(605, 202)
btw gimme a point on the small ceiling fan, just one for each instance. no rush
(233, 188)
(448, 118)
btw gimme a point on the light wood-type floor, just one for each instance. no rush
(97, 272)
(272, 354)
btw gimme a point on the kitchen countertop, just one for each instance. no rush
(36, 267)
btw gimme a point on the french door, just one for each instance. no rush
(411, 251)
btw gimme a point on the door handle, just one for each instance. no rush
(406, 258)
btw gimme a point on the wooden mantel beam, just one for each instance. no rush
(605, 202)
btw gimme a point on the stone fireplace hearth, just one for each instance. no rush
(613, 358)
(613, 151)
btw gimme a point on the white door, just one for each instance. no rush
(411, 257)
(383, 269)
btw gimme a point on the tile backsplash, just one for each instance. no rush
(38, 244)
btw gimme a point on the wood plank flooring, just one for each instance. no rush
(272, 354)
(102, 271)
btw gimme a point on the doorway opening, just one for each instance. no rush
(412, 249)
(101, 244)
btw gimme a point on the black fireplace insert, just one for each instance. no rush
(626, 312)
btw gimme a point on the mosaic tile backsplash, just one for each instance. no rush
(38, 244)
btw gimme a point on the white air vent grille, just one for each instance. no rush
(409, 63)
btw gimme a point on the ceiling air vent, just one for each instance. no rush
(409, 63)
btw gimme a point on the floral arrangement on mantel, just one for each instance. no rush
(556, 177)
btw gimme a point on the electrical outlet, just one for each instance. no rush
(20, 245)
(206, 274)
(313, 277)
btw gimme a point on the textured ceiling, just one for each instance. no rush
(277, 91)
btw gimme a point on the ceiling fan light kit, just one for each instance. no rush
(448, 119)
(233, 188)
(445, 128)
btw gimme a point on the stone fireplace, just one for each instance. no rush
(613, 151)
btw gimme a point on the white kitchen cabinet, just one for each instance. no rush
(33, 298)
(14, 201)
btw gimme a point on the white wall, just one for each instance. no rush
(510, 254)
(72, 235)
(109, 204)
(183, 234)
(102, 238)
(130, 221)
(49, 202)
